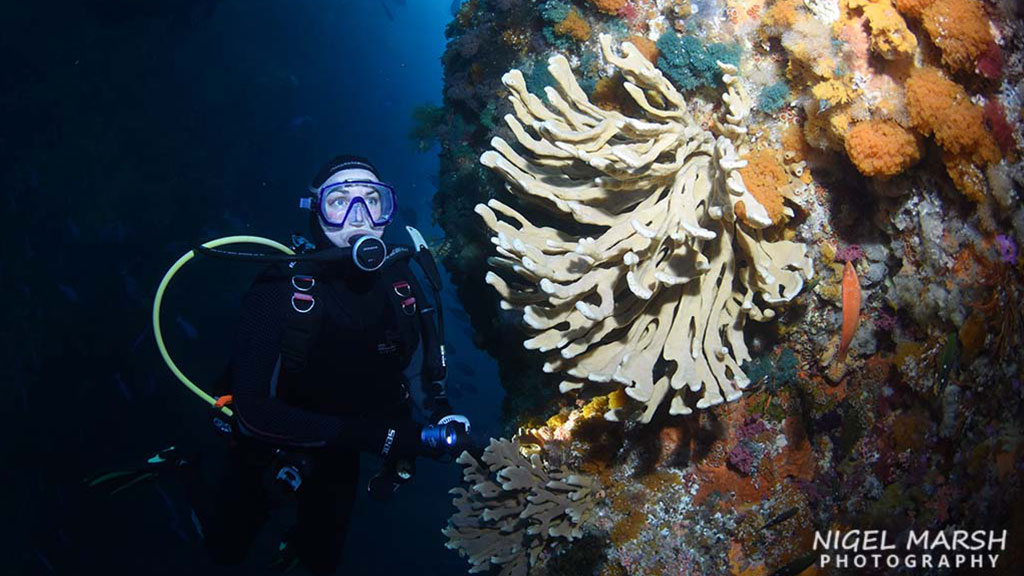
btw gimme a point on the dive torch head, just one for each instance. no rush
(443, 437)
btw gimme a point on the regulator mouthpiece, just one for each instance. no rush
(368, 252)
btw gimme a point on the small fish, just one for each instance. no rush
(113, 232)
(210, 232)
(409, 215)
(122, 387)
(449, 348)
(781, 518)
(949, 360)
(797, 566)
(459, 314)
(46, 561)
(69, 292)
(166, 498)
(234, 221)
(168, 504)
(298, 122)
(189, 330)
(139, 339)
(131, 287)
(387, 11)
(464, 369)
(180, 533)
(851, 308)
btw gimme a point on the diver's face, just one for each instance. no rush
(358, 222)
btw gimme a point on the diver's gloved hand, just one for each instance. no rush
(443, 413)
(402, 439)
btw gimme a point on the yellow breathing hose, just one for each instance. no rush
(160, 297)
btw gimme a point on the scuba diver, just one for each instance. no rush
(317, 376)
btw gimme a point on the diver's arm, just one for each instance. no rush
(433, 371)
(261, 414)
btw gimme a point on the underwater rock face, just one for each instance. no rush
(679, 256)
(894, 142)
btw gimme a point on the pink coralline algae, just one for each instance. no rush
(741, 459)
(885, 321)
(990, 64)
(995, 118)
(849, 253)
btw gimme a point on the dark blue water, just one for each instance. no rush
(132, 129)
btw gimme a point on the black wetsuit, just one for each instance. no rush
(341, 398)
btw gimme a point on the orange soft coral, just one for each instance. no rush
(646, 46)
(882, 148)
(941, 107)
(608, 6)
(574, 26)
(783, 14)
(966, 176)
(766, 179)
(960, 29)
(928, 96)
(913, 7)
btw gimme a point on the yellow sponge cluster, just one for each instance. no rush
(890, 36)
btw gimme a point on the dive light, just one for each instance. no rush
(442, 437)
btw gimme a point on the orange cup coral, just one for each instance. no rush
(940, 107)
(960, 28)
(575, 26)
(766, 178)
(882, 148)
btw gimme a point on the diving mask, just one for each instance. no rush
(356, 202)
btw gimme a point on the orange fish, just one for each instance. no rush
(851, 308)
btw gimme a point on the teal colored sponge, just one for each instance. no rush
(773, 98)
(690, 64)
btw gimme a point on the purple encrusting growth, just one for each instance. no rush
(752, 427)
(1007, 249)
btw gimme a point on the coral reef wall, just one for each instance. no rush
(882, 138)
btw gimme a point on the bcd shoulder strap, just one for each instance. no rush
(304, 316)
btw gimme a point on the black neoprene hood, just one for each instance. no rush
(339, 163)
